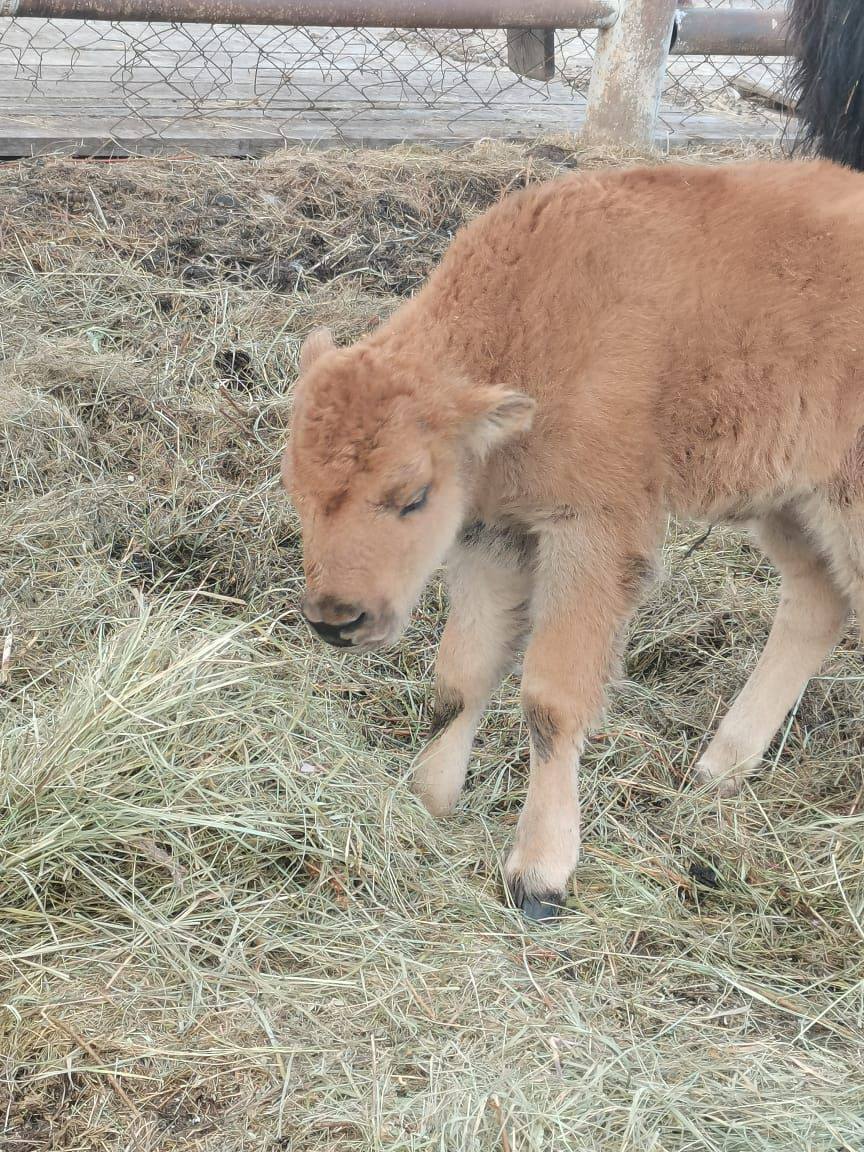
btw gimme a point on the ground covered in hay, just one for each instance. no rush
(224, 922)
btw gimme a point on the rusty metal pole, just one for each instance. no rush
(628, 72)
(731, 32)
(333, 13)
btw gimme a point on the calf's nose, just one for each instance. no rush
(333, 620)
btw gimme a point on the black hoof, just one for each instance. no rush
(544, 906)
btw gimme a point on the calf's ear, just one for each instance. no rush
(497, 414)
(319, 341)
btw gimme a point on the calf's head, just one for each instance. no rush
(384, 450)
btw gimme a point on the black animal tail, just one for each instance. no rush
(828, 77)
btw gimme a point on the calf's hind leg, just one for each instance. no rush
(808, 623)
(489, 579)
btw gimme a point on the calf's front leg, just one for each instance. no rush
(489, 579)
(588, 582)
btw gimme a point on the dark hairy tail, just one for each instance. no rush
(828, 77)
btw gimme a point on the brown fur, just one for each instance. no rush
(591, 355)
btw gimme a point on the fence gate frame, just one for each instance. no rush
(635, 37)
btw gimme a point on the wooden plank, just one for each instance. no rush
(100, 94)
(339, 124)
(164, 46)
(429, 122)
(367, 45)
(237, 146)
(37, 35)
(549, 119)
(131, 56)
(266, 83)
(364, 88)
(762, 84)
(531, 52)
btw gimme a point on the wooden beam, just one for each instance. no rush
(531, 52)
(772, 89)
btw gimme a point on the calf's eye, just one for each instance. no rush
(415, 503)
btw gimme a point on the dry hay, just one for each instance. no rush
(225, 922)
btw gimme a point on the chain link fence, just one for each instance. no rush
(245, 89)
(180, 82)
(753, 87)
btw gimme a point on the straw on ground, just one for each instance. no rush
(225, 922)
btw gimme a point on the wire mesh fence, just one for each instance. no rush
(164, 81)
(751, 86)
(252, 87)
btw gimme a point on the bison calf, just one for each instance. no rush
(592, 355)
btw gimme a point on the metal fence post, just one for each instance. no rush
(628, 72)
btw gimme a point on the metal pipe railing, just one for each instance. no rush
(335, 13)
(730, 32)
(697, 31)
